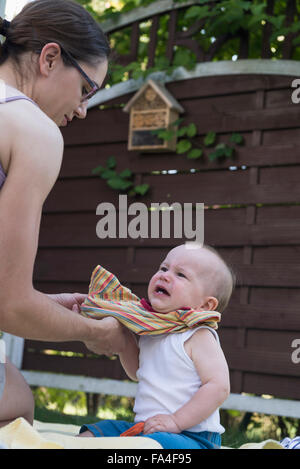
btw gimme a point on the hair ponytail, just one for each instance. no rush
(63, 21)
(4, 25)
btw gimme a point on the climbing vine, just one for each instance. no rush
(187, 146)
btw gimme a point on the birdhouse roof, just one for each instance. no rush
(171, 102)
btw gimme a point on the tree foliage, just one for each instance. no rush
(225, 17)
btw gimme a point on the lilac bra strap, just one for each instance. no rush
(2, 176)
(15, 98)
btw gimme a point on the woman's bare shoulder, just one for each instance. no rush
(24, 117)
(27, 129)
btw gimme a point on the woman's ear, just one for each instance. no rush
(49, 57)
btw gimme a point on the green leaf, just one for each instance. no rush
(184, 58)
(210, 139)
(191, 130)
(111, 162)
(237, 138)
(141, 189)
(197, 12)
(98, 170)
(183, 146)
(221, 150)
(108, 173)
(228, 151)
(119, 183)
(181, 132)
(177, 122)
(194, 154)
(125, 174)
(212, 156)
(166, 134)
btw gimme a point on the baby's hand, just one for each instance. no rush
(161, 423)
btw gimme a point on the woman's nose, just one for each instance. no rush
(81, 111)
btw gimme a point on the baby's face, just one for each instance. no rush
(182, 280)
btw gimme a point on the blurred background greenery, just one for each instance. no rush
(78, 408)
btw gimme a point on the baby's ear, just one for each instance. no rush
(211, 304)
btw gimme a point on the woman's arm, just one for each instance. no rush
(36, 149)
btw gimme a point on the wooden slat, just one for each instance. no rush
(72, 265)
(114, 126)
(98, 367)
(283, 386)
(87, 194)
(72, 230)
(261, 317)
(79, 161)
(266, 362)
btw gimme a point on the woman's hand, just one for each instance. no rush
(109, 337)
(71, 301)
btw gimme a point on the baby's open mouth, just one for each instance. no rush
(161, 291)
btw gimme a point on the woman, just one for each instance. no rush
(53, 60)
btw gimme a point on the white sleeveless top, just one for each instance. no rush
(168, 379)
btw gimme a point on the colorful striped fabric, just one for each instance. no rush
(107, 297)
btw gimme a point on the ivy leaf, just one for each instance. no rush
(98, 170)
(228, 151)
(108, 173)
(166, 134)
(177, 122)
(125, 174)
(191, 130)
(141, 189)
(119, 183)
(111, 162)
(183, 146)
(181, 132)
(194, 153)
(221, 150)
(210, 139)
(237, 138)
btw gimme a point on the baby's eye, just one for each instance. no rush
(164, 269)
(180, 274)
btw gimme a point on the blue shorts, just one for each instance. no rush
(184, 440)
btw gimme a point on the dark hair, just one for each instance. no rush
(62, 21)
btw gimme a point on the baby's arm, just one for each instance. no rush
(212, 368)
(130, 357)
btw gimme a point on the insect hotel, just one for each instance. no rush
(152, 108)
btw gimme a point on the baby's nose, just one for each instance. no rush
(165, 276)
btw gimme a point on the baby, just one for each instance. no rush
(182, 376)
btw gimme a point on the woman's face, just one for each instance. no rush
(62, 89)
(75, 88)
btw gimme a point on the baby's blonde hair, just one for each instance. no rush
(224, 284)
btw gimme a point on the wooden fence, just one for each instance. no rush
(252, 217)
